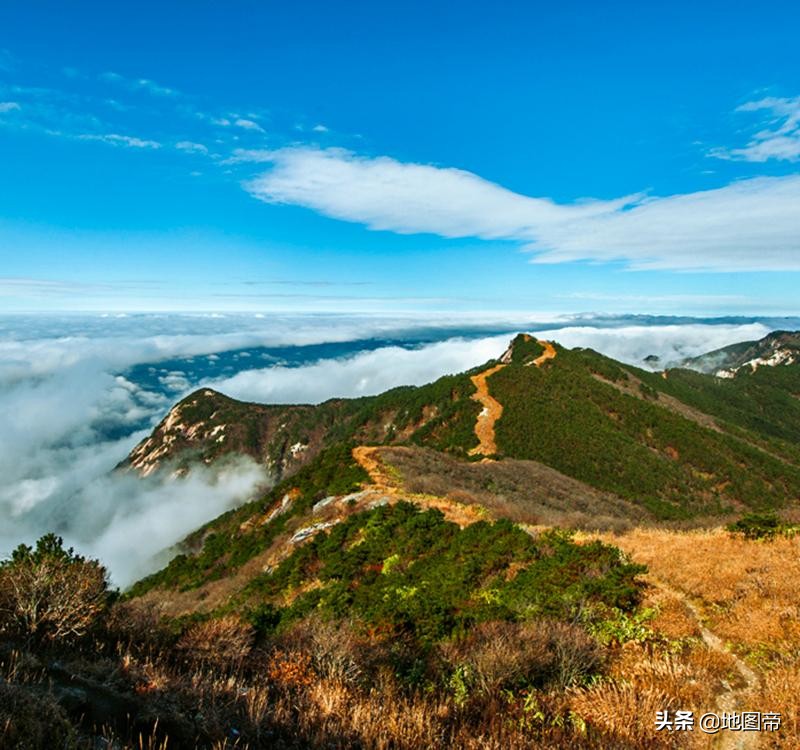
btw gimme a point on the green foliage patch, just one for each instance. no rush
(588, 429)
(403, 570)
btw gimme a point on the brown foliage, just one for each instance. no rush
(224, 642)
(51, 596)
(501, 655)
(291, 669)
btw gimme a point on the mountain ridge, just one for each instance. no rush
(673, 442)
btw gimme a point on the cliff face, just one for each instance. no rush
(207, 426)
(777, 348)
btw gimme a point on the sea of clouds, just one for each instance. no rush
(78, 392)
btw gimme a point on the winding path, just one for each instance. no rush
(492, 409)
(548, 353)
(730, 699)
(489, 414)
(367, 457)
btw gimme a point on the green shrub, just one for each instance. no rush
(407, 571)
(758, 526)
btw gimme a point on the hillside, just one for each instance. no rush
(580, 440)
(206, 426)
(678, 444)
(776, 348)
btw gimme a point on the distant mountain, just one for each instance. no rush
(777, 348)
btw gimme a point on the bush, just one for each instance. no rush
(757, 526)
(224, 643)
(50, 594)
(32, 722)
(138, 625)
(335, 651)
(510, 655)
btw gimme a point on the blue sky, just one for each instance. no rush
(625, 157)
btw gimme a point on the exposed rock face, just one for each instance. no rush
(777, 348)
(207, 425)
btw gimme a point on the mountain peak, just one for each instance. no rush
(524, 349)
(776, 348)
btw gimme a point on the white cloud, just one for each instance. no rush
(365, 374)
(320, 129)
(154, 88)
(780, 140)
(8, 107)
(408, 198)
(119, 140)
(747, 225)
(191, 147)
(670, 343)
(370, 373)
(243, 122)
(250, 155)
(141, 519)
(139, 84)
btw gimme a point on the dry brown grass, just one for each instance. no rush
(780, 691)
(673, 620)
(625, 714)
(745, 592)
(749, 592)
(522, 491)
(222, 643)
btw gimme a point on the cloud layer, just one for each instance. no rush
(748, 225)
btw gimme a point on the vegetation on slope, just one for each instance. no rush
(565, 416)
(223, 546)
(489, 620)
(764, 402)
(411, 572)
(515, 680)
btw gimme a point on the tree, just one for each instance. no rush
(50, 593)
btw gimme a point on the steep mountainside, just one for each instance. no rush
(777, 348)
(207, 425)
(630, 432)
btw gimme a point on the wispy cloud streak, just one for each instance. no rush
(779, 137)
(747, 225)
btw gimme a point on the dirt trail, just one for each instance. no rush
(369, 460)
(549, 353)
(489, 414)
(730, 699)
(391, 487)
(492, 409)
